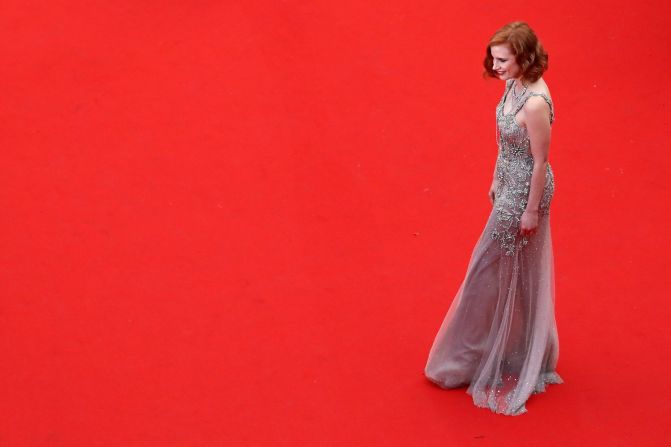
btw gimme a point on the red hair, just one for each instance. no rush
(523, 43)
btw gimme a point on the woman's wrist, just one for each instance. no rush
(532, 210)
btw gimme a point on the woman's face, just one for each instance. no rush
(504, 63)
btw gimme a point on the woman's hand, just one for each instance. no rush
(528, 222)
(492, 191)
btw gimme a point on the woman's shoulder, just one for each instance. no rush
(539, 87)
(539, 99)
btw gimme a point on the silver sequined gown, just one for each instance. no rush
(499, 335)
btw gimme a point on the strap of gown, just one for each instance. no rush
(507, 91)
(542, 95)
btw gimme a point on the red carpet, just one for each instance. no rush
(241, 223)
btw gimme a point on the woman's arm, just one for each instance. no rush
(537, 114)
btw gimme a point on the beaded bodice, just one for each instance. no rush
(513, 138)
(514, 167)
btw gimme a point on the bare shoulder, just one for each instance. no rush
(535, 103)
(540, 87)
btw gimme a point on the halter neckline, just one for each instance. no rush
(516, 108)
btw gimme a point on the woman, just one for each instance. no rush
(499, 335)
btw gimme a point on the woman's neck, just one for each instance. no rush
(519, 83)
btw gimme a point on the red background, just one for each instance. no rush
(241, 223)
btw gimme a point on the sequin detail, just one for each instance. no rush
(514, 166)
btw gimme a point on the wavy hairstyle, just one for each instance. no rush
(523, 43)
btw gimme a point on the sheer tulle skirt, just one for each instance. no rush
(499, 335)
